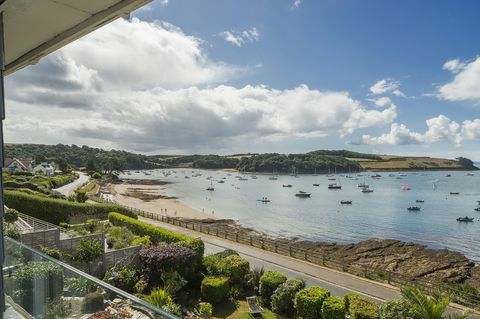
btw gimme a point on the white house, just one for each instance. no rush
(13, 165)
(44, 168)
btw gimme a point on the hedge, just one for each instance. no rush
(308, 302)
(157, 234)
(282, 299)
(270, 281)
(57, 211)
(214, 289)
(398, 309)
(334, 308)
(360, 308)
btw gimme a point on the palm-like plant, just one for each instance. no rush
(431, 307)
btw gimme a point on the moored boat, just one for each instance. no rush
(286, 185)
(465, 219)
(454, 193)
(334, 186)
(346, 202)
(316, 184)
(303, 194)
(413, 209)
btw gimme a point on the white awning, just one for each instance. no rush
(35, 28)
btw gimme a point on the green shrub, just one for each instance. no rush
(214, 289)
(96, 175)
(119, 237)
(236, 268)
(212, 264)
(283, 297)
(360, 308)
(398, 309)
(92, 302)
(157, 234)
(334, 308)
(172, 308)
(226, 253)
(141, 240)
(124, 278)
(158, 297)
(81, 196)
(12, 231)
(28, 292)
(308, 302)
(270, 281)
(79, 286)
(11, 216)
(52, 252)
(56, 211)
(204, 310)
(88, 250)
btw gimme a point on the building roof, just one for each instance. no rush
(35, 28)
(24, 162)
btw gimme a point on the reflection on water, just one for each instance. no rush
(381, 214)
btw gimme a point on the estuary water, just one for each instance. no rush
(380, 214)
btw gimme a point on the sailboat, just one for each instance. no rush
(210, 188)
(273, 177)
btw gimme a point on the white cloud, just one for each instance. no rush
(118, 88)
(387, 86)
(239, 38)
(454, 66)
(381, 101)
(399, 135)
(466, 83)
(296, 4)
(439, 129)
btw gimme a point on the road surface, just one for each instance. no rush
(73, 186)
(339, 283)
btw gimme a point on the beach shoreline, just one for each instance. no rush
(161, 203)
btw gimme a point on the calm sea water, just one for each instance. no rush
(381, 214)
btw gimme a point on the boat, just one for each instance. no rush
(187, 177)
(465, 219)
(367, 190)
(263, 200)
(243, 179)
(405, 187)
(420, 201)
(346, 202)
(448, 175)
(210, 188)
(316, 184)
(454, 193)
(376, 176)
(391, 175)
(303, 194)
(403, 175)
(334, 186)
(470, 174)
(332, 179)
(477, 209)
(413, 209)
(254, 177)
(362, 185)
(286, 185)
(221, 181)
(273, 177)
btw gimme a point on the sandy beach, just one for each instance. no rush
(153, 199)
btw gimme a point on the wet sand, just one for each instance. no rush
(163, 206)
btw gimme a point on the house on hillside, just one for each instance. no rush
(13, 165)
(44, 168)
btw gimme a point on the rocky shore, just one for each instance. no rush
(409, 260)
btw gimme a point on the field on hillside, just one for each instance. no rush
(391, 162)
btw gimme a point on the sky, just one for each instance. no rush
(288, 76)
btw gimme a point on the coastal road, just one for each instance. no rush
(73, 186)
(339, 283)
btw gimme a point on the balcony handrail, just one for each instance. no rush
(101, 283)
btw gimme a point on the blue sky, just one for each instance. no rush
(338, 49)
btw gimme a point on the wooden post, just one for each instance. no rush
(290, 251)
(251, 240)
(236, 237)
(275, 247)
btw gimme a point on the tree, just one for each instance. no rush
(430, 307)
(91, 167)
(465, 162)
(63, 165)
(39, 158)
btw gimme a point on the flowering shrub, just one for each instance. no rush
(112, 313)
(166, 257)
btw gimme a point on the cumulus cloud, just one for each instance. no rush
(120, 87)
(381, 101)
(387, 86)
(239, 38)
(439, 129)
(466, 83)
